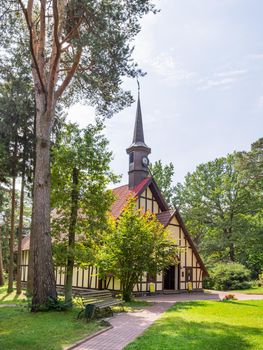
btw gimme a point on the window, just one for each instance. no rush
(131, 157)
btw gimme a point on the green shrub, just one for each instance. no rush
(260, 279)
(229, 276)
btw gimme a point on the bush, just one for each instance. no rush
(229, 276)
(229, 297)
(260, 279)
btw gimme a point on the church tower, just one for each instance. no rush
(138, 152)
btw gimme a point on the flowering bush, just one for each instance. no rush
(228, 297)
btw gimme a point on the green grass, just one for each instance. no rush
(252, 290)
(206, 325)
(23, 330)
(131, 306)
(11, 298)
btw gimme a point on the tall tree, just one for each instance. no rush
(80, 175)
(81, 46)
(2, 199)
(211, 200)
(163, 175)
(17, 134)
(221, 202)
(2, 280)
(250, 166)
(133, 245)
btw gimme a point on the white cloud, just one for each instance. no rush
(222, 80)
(232, 73)
(81, 114)
(170, 70)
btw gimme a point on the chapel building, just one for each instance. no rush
(188, 270)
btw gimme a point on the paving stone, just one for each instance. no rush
(128, 326)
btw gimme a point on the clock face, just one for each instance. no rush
(145, 161)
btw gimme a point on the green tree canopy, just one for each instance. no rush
(135, 244)
(80, 49)
(80, 199)
(221, 202)
(163, 175)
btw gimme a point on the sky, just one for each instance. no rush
(202, 96)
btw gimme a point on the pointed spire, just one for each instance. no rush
(138, 127)
(138, 135)
(138, 150)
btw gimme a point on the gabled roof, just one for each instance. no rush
(123, 192)
(166, 217)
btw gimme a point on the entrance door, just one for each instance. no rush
(169, 278)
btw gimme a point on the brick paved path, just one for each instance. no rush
(128, 326)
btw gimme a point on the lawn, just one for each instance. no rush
(252, 290)
(11, 298)
(206, 325)
(132, 306)
(23, 330)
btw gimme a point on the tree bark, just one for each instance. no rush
(20, 233)
(232, 252)
(44, 284)
(12, 237)
(29, 285)
(31, 248)
(2, 280)
(71, 237)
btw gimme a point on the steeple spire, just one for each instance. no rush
(138, 150)
(138, 135)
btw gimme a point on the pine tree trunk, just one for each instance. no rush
(12, 237)
(71, 237)
(20, 234)
(29, 287)
(44, 284)
(2, 280)
(232, 252)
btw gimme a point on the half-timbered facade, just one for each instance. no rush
(188, 270)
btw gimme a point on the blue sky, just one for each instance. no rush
(203, 94)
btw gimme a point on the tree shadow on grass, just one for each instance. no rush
(241, 303)
(5, 296)
(207, 336)
(178, 334)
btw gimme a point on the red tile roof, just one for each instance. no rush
(123, 192)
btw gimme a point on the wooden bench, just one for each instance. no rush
(93, 302)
